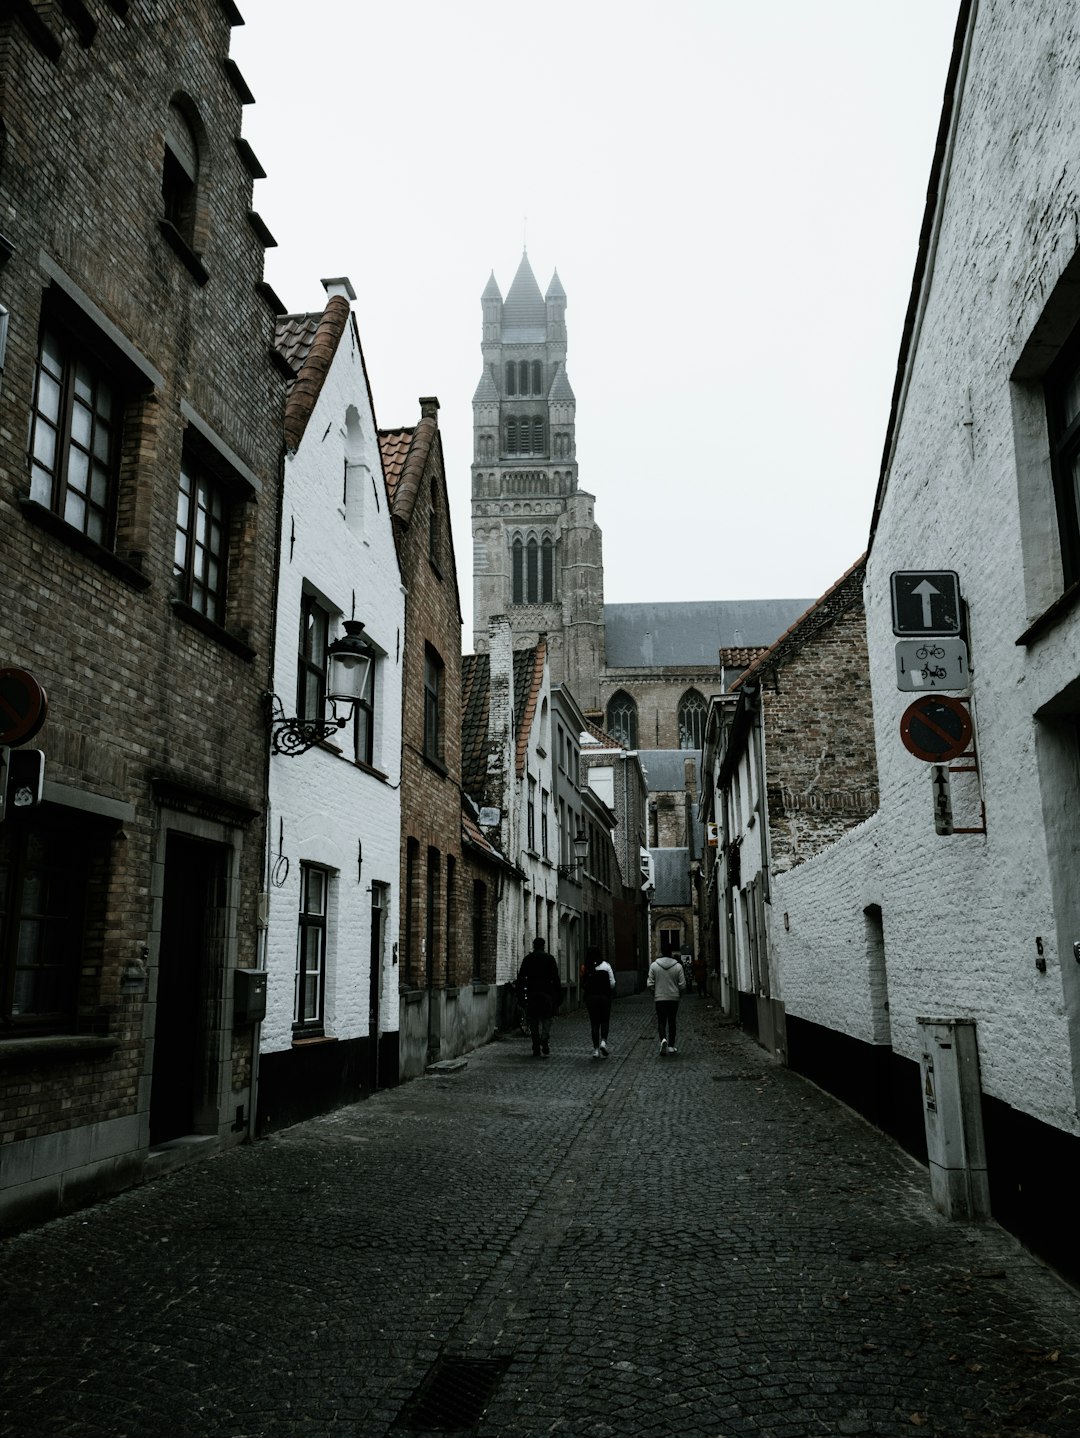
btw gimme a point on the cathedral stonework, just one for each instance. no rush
(537, 552)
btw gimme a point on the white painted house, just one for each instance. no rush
(330, 1031)
(959, 900)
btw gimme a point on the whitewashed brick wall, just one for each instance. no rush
(332, 810)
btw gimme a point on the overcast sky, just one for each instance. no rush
(731, 191)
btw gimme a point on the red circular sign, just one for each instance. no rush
(23, 706)
(936, 728)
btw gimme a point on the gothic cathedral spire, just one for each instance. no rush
(537, 553)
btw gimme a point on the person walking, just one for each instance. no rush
(700, 975)
(540, 989)
(667, 982)
(599, 988)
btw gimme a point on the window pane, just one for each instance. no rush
(99, 486)
(84, 381)
(44, 444)
(75, 510)
(48, 400)
(78, 471)
(95, 526)
(52, 354)
(40, 485)
(81, 424)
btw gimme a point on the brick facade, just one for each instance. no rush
(140, 286)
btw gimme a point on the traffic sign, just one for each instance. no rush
(23, 706)
(931, 663)
(925, 601)
(936, 728)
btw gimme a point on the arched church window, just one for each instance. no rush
(511, 377)
(537, 436)
(523, 377)
(622, 719)
(532, 570)
(517, 556)
(692, 710)
(547, 572)
(537, 378)
(511, 435)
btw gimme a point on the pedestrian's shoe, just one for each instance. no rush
(596, 1053)
(604, 1048)
(545, 1050)
(673, 1049)
(663, 1046)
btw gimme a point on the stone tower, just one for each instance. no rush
(537, 553)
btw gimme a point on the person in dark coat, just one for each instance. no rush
(540, 989)
(599, 988)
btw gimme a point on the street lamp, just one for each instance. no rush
(581, 849)
(349, 661)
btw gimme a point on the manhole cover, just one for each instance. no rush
(453, 1396)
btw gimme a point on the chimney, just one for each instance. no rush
(341, 285)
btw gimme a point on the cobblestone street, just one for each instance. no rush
(698, 1244)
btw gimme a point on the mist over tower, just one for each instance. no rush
(537, 550)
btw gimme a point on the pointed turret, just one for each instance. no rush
(491, 302)
(524, 312)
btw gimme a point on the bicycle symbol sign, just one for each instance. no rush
(936, 662)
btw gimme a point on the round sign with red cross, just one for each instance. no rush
(23, 706)
(936, 728)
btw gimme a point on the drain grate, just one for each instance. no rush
(453, 1396)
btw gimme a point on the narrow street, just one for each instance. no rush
(699, 1244)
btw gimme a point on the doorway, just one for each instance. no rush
(190, 962)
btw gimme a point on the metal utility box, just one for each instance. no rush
(952, 1109)
(249, 996)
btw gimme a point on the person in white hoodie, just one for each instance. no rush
(667, 981)
(599, 988)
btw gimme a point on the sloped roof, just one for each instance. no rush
(528, 677)
(671, 875)
(560, 385)
(838, 597)
(475, 707)
(474, 837)
(665, 769)
(309, 343)
(486, 390)
(692, 633)
(601, 736)
(405, 455)
(524, 314)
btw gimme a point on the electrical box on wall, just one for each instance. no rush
(952, 1109)
(249, 996)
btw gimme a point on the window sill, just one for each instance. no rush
(370, 769)
(55, 1048)
(480, 987)
(307, 1041)
(436, 764)
(191, 616)
(45, 519)
(412, 996)
(184, 252)
(1062, 606)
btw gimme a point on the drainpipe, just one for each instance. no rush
(759, 769)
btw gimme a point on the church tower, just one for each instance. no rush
(537, 553)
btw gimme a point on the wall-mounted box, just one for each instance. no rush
(952, 1109)
(249, 996)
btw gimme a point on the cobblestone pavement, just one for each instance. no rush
(699, 1244)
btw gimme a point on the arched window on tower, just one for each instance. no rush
(547, 571)
(517, 557)
(523, 377)
(692, 710)
(511, 435)
(532, 570)
(511, 377)
(537, 377)
(622, 719)
(537, 436)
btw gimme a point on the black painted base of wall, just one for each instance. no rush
(1029, 1162)
(311, 1079)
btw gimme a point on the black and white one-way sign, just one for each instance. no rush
(925, 601)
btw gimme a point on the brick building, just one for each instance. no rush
(429, 956)
(790, 767)
(331, 1026)
(139, 476)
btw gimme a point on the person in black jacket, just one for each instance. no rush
(540, 989)
(599, 988)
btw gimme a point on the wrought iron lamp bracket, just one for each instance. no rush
(295, 735)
